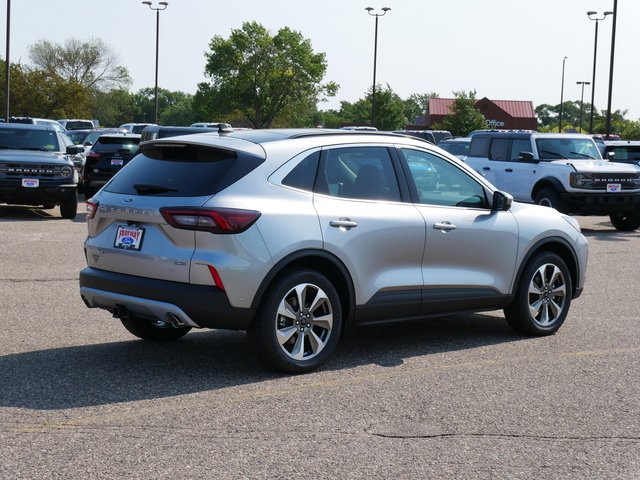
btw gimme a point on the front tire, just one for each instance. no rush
(626, 222)
(547, 197)
(542, 297)
(153, 331)
(298, 324)
(69, 207)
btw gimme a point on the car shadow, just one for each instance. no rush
(17, 213)
(108, 373)
(606, 232)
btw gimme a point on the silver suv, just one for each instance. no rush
(295, 234)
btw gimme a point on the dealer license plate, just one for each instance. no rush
(30, 182)
(614, 187)
(129, 237)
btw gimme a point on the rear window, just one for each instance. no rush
(116, 144)
(78, 124)
(184, 172)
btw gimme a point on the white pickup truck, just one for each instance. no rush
(560, 170)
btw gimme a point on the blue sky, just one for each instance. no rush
(502, 49)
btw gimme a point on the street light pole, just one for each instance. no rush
(613, 50)
(561, 96)
(375, 57)
(7, 66)
(590, 14)
(163, 5)
(582, 101)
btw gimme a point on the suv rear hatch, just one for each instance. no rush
(146, 220)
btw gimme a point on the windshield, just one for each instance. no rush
(26, 139)
(559, 148)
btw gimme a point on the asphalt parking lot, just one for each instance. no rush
(452, 398)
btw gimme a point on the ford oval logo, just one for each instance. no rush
(128, 200)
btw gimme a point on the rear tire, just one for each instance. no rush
(153, 331)
(543, 296)
(298, 323)
(626, 222)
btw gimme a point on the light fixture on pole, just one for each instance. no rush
(375, 57)
(593, 16)
(163, 5)
(582, 101)
(613, 50)
(561, 96)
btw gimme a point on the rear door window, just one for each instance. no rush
(365, 173)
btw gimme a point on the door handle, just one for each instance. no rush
(508, 169)
(444, 226)
(486, 168)
(343, 223)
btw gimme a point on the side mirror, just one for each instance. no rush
(526, 157)
(610, 156)
(501, 201)
(74, 149)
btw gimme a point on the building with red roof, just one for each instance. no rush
(509, 114)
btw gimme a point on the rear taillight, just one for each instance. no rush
(214, 220)
(92, 208)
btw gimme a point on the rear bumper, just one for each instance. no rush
(599, 203)
(195, 305)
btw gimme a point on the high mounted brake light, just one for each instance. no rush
(214, 220)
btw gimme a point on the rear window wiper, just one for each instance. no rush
(145, 188)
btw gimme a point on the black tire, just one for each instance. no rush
(547, 197)
(626, 222)
(153, 331)
(543, 296)
(286, 334)
(69, 207)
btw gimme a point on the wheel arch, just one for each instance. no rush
(547, 182)
(560, 247)
(321, 261)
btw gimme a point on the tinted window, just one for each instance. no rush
(304, 174)
(105, 144)
(499, 149)
(440, 182)
(455, 148)
(184, 172)
(359, 172)
(520, 145)
(479, 147)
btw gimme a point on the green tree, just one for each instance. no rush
(464, 117)
(36, 93)
(114, 108)
(389, 109)
(262, 77)
(92, 64)
(417, 105)
(172, 107)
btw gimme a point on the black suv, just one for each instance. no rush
(37, 168)
(107, 156)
